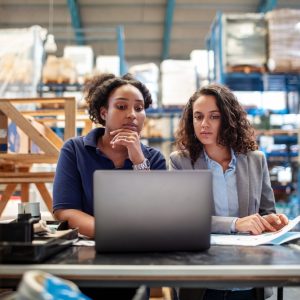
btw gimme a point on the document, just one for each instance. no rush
(270, 238)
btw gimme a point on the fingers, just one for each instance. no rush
(124, 137)
(278, 221)
(261, 225)
(254, 224)
(284, 219)
(272, 219)
(267, 225)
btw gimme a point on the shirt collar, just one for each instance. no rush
(92, 137)
(231, 165)
(91, 140)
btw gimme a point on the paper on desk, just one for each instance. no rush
(274, 238)
(80, 242)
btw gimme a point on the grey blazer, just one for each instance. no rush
(255, 194)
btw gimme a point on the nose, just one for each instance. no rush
(131, 113)
(205, 122)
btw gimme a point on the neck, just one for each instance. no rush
(218, 153)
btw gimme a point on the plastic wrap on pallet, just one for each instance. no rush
(149, 75)
(21, 54)
(178, 81)
(244, 40)
(284, 40)
(108, 64)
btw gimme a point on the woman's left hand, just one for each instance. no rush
(131, 140)
(278, 221)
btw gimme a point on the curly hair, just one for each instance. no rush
(98, 89)
(236, 131)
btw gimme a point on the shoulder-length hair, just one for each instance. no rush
(236, 131)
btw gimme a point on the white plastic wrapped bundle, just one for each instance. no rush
(244, 40)
(178, 81)
(149, 75)
(284, 40)
(21, 54)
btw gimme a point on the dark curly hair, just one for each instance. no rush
(236, 131)
(98, 89)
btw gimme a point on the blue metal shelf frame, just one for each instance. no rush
(121, 49)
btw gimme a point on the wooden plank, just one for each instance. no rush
(26, 126)
(28, 158)
(38, 100)
(27, 175)
(45, 195)
(25, 180)
(9, 190)
(53, 112)
(88, 126)
(52, 136)
(24, 192)
(70, 117)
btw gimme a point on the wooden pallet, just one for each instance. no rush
(246, 69)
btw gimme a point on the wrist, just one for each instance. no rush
(145, 165)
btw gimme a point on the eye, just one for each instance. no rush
(121, 106)
(215, 117)
(139, 108)
(198, 117)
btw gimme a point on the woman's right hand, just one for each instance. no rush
(255, 224)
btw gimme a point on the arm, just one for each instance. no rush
(178, 161)
(255, 223)
(68, 192)
(77, 219)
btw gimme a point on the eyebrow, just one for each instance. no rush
(125, 99)
(211, 111)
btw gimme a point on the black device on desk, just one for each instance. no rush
(19, 243)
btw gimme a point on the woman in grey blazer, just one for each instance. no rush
(214, 133)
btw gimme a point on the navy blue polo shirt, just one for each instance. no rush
(79, 158)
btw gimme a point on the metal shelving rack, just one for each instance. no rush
(287, 82)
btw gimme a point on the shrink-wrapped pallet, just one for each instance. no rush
(284, 40)
(149, 75)
(178, 79)
(244, 42)
(21, 54)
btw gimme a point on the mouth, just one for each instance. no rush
(130, 126)
(205, 134)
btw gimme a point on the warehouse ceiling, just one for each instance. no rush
(153, 29)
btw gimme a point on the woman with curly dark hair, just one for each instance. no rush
(214, 133)
(118, 104)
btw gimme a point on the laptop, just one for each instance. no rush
(147, 211)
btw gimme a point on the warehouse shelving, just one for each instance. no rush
(261, 82)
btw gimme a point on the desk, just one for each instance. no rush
(222, 266)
